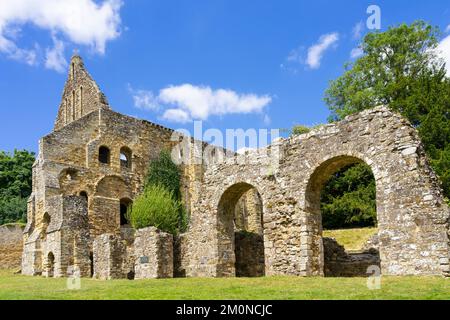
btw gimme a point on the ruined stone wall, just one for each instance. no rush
(153, 251)
(81, 95)
(109, 252)
(339, 263)
(11, 246)
(66, 239)
(68, 164)
(70, 182)
(413, 218)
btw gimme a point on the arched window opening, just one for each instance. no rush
(66, 111)
(73, 105)
(125, 205)
(104, 155)
(81, 101)
(45, 223)
(125, 158)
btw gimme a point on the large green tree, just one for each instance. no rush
(400, 68)
(15, 185)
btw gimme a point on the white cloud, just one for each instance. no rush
(188, 102)
(10, 49)
(200, 102)
(176, 115)
(144, 99)
(444, 52)
(358, 30)
(315, 52)
(54, 57)
(356, 53)
(82, 22)
(296, 55)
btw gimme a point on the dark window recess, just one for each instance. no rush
(103, 155)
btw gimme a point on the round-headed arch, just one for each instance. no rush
(240, 244)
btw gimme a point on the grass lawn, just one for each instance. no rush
(351, 239)
(24, 287)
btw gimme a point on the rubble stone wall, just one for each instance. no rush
(413, 217)
(77, 195)
(153, 251)
(11, 246)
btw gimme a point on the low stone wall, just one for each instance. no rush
(339, 263)
(11, 245)
(113, 259)
(153, 251)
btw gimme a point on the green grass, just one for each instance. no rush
(351, 239)
(24, 287)
(20, 224)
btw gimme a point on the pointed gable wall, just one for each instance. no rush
(81, 95)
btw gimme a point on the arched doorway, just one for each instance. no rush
(240, 232)
(50, 265)
(340, 250)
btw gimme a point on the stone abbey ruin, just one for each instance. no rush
(255, 217)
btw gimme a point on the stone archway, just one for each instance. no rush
(332, 259)
(240, 232)
(413, 218)
(50, 267)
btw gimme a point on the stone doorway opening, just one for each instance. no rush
(240, 232)
(91, 263)
(341, 202)
(50, 265)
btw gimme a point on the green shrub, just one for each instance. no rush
(163, 171)
(156, 207)
(160, 204)
(299, 129)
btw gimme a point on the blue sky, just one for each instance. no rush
(233, 64)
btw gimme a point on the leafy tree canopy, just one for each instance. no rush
(400, 68)
(348, 199)
(15, 185)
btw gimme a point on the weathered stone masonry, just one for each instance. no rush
(11, 246)
(252, 217)
(413, 218)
